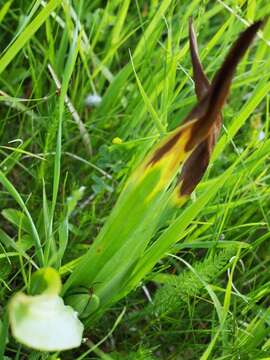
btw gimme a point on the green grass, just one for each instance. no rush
(200, 289)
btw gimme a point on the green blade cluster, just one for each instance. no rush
(111, 260)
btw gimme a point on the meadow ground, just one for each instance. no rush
(86, 88)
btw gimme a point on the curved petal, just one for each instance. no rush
(202, 84)
(44, 322)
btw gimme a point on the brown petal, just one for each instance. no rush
(194, 168)
(212, 103)
(196, 165)
(202, 84)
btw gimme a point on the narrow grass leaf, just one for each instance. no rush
(14, 193)
(27, 33)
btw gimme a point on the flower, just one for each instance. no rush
(117, 140)
(93, 100)
(42, 321)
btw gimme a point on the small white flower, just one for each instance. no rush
(261, 135)
(93, 100)
(44, 322)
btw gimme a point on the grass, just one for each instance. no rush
(200, 289)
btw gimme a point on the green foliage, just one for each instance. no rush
(141, 354)
(178, 289)
(56, 197)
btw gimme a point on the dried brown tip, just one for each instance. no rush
(197, 163)
(222, 80)
(194, 168)
(210, 106)
(202, 84)
(212, 103)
